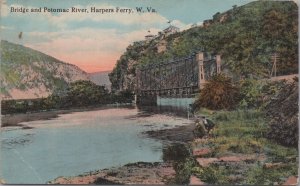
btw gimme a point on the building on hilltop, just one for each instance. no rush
(170, 30)
(149, 37)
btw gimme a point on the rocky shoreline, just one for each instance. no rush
(134, 173)
(178, 134)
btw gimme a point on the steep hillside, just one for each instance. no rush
(27, 73)
(246, 37)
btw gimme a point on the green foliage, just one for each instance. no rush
(283, 111)
(183, 171)
(218, 93)
(78, 94)
(243, 132)
(175, 152)
(179, 154)
(280, 153)
(258, 175)
(19, 62)
(245, 36)
(81, 93)
(214, 174)
(251, 93)
(24, 106)
(240, 131)
(257, 93)
(199, 130)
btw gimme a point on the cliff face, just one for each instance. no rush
(246, 37)
(28, 74)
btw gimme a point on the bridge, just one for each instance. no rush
(182, 78)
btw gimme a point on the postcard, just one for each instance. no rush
(168, 92)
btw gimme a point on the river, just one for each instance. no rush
(80, 142)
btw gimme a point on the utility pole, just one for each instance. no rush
(274, 58)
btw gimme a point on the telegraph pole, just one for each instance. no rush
(274, 58)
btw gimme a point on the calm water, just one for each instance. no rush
(78, 142)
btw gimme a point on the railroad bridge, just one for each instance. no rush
(182, 78)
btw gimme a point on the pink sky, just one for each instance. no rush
(92, 50)
(94, 63)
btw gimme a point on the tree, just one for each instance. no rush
(80, 93)
(282, 111)
(218, 93)
(251, 93)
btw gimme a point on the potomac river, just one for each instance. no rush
(79, 142)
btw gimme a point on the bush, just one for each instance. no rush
(282, 110)
(251, 93)
(218, 93)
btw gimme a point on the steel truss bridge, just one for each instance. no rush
(179, 78)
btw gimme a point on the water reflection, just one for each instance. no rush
(170, 110)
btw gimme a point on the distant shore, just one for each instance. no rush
(14, 120)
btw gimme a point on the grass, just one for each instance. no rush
(239, 131)
(243, 132)
(258, 175)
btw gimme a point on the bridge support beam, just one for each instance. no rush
(218, 61)
(201, 78)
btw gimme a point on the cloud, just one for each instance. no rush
(4, 8)
(2, 27)
(90, 49)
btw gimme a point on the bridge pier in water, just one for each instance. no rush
(146, 100)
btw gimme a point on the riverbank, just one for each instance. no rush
(181, 134)
(134, 173)
(14, 120)
(236, 152)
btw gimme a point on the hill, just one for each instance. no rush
(246, 37)
(28, 74)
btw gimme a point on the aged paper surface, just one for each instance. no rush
(149, 92)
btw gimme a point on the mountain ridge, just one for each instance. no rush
(27, 73)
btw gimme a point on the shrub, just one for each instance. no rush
(251, 93)
(218, 93)
(282, 110)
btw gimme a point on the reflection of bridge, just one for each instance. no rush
(180, 78)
